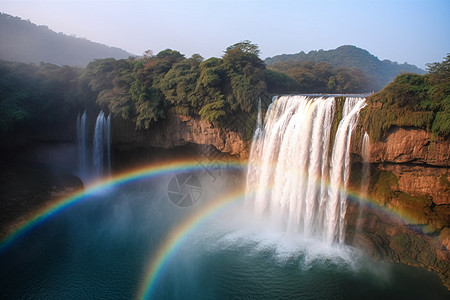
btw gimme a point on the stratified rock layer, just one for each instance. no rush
(178, 130)
(410, 145)
(410, 181)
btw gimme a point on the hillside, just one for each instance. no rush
(24, 41)
(379, 72)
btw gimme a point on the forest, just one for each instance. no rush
(145, 89)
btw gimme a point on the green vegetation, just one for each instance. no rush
(142, 90)
(218, 90)
(383, 183)
(322, 77)
(443, 180)
(351, 60)
(32, 96)
(416, 209)
(411, 100)
(340, 101)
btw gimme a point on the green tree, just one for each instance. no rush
(246, 47)
(33, 97)
(111, 80)
(179, 83)
(245, 72)
(439, 91)
(278, 82)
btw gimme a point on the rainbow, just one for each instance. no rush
(145, 172)
(176, 238)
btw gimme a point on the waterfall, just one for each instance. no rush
(365, 177)
(97, 158)
(255, 151)
(82, 146)
(108, 145)
(101, 148)
(365, 171)
(292, 178)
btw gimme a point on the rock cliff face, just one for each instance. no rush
(177, 130)
(411, 146)
(410, 172)
(426, 181)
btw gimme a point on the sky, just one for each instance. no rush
(412, 31)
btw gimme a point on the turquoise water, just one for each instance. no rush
(101, 248)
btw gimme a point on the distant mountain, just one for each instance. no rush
(24, 41)
(381, 72)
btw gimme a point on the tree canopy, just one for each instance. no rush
(33, 95)
(144, 90)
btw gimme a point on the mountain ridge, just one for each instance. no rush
(24, 41)
(349, 56)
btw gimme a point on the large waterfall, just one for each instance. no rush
(101, 148)
(299, 169)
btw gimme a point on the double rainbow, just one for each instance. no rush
(175, 238)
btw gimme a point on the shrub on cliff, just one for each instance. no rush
(411, 100)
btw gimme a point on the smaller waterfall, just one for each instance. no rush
(108, 144)
(366, 165)
(255, 150)
(101, 148)
(365, 175)
(83, 169)
(99, 141)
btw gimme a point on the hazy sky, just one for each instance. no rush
(413, 31)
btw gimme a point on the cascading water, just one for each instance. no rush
(291, 177)
(101, 149)
(99, 141)
(82, 147)
(365, 177)
(108, 144)
(102, 146)
(365, 171)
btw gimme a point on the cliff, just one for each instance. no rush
(178, 130)
(408, 217)
(410, 145)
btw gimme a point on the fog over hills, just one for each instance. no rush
(23, 41)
